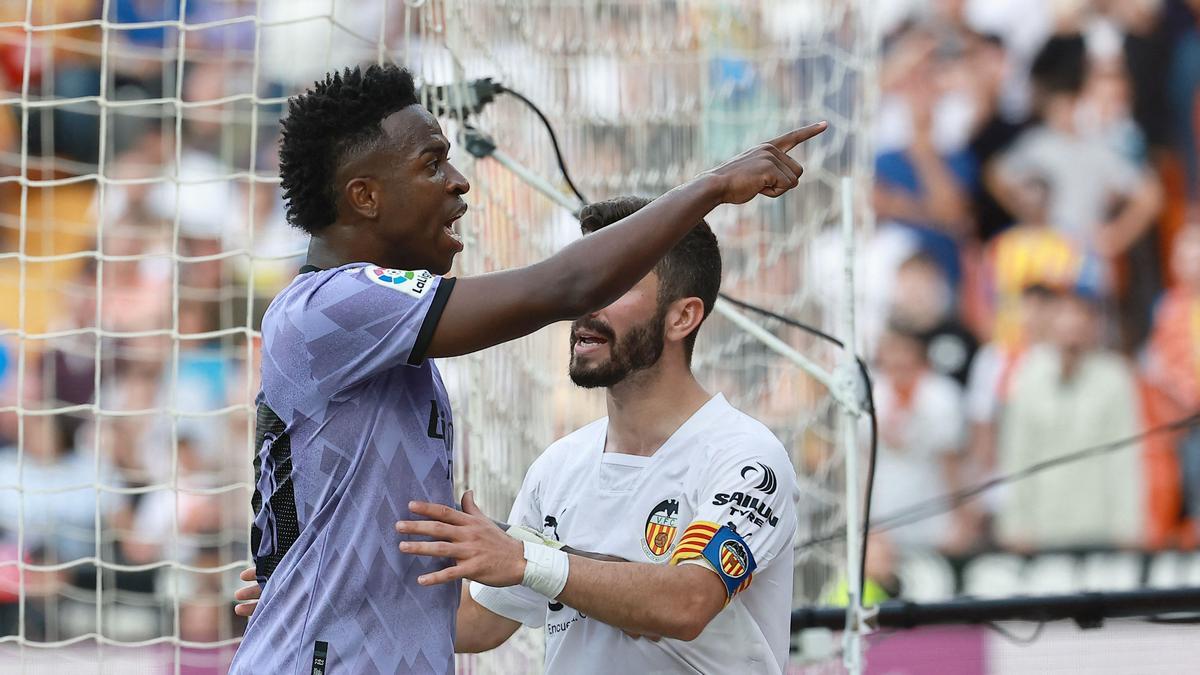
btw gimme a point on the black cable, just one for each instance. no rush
(562, 165)
(866, 376)
(1172, 620)
(783, 319)
(949, 502)
(1017, 639)
(944, 503)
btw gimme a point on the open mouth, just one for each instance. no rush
(589, 337)
(587, 341)
(450, 228)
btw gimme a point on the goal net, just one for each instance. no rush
(142, 237)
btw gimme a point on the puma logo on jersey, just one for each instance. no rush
(749, 506)
(551, 523)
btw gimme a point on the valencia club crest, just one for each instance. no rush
(660, 529)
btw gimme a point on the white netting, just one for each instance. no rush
(143, 237)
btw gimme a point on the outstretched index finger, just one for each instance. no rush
(797, 136)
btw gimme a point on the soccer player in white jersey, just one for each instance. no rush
(698, 497)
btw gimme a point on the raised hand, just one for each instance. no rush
(481, 550)
(764, 169)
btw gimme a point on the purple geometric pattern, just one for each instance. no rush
(335, 352)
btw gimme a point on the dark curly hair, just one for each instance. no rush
(338, 117)
(691, 269)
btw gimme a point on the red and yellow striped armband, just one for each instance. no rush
(722, 550)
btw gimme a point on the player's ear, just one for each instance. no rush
(683, 317)
(362, 196)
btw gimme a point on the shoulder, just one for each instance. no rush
(1035, 143)
(988, 360)
(734, 436)
(349, 280)
(940, 390)
(1038, 361)
(1110, 367)
(351, 295)
(1038, 135)
(299, 295)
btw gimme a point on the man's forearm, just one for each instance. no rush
(598, 269)
(1137, 215)
(1003, 187)
(943, 199)
(478, 629)
(600, 266)
(670, 601)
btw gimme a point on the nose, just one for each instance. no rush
(456, 183)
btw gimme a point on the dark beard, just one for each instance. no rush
(638, 349)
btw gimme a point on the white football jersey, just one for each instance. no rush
(721, 488)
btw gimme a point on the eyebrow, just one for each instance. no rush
(436, 146)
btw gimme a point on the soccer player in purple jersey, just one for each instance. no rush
(353, 419)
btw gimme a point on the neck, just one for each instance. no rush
(1069, 364)
(1060, 116)
(648, 406)
(324, 255)
(340, 244)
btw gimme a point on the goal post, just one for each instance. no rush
(142, 236)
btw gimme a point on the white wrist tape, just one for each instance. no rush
(523, 533)
(546, 570)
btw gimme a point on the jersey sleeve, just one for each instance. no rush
(517, 602)
(745, 513)
(360, 321)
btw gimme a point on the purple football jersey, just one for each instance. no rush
(353, 423)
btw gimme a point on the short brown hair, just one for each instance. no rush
(691, 269)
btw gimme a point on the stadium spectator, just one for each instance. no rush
(58, 524)
(925, 187)
(1066, 395)
(920, 419)
(176, 526)
(924, 302)
(1098, 198)
(1172, 363)
(994, 130)
(881, 584)
(1183, 84)
(1030, 253)
(989, 384)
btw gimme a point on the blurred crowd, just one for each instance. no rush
(163, 475)
(1036, 185)
(1034, 283)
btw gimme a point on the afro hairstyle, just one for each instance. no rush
(337, 118)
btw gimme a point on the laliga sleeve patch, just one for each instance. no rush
(731, 559)
(415, 284)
